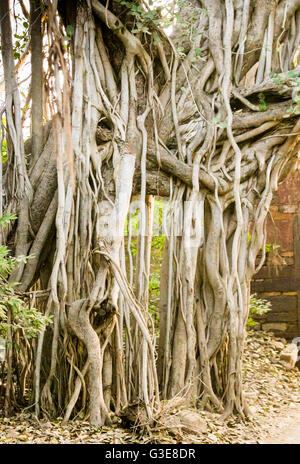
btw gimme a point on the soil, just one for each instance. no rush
(286, 429)
(272, 392)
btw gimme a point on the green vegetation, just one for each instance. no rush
(291, 79)
(24, 317)
(258, 306)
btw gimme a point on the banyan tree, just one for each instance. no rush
(196, 101)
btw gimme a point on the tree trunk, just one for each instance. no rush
(195, 117)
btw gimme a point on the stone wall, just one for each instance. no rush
(279, 279)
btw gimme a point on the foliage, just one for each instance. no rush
(271, 247)
(291, 79)
(3, 142)
(157, 246)
(20, 36)
(143, 19)
(262, 102)
(258, 307)
(4, 151)
(154, 294)
(21, 39)
(268, 247)
(161, 15)
(23, 316)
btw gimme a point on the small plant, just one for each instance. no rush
(160, 14)
(262, 102)
(291, 79)
(258, 306)
(21, 37)
(23, 316)
(4, 151)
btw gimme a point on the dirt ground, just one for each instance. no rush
(272, 392)
(286, 428)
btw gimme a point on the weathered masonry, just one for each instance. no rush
(279, 279)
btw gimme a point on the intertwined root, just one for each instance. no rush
(215, 134)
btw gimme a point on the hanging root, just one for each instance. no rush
(208, 127)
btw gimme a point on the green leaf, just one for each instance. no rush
(292, 73)
(70, 30)
(7, 218)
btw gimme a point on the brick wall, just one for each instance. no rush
(280, 283)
